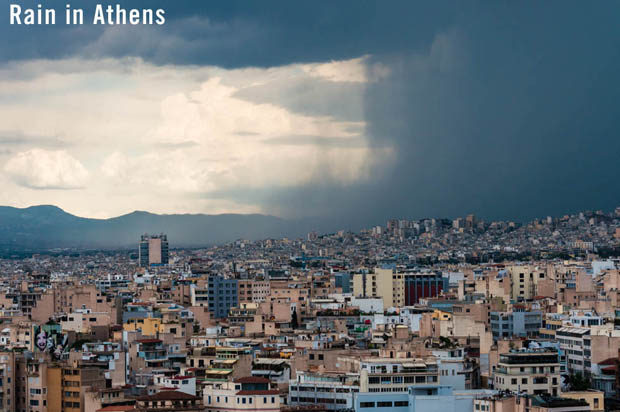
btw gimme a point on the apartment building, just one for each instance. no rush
(248, 394)
(383, 283)
(67, 386)
(396, 375)
(576, 343)
(524, 279)
(518, 323)
(328, 390)
(533, 372)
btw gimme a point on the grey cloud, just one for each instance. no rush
(179, 145)
(321, 141)
(14, 139)
(301, 95)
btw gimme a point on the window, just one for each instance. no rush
(401, 403)
(367, 404)
(384, 404)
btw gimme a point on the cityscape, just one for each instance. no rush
(310, 206)
(459, 313)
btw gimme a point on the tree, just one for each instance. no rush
(294, 323)
(578, 382)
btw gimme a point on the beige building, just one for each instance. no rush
(595, 399)
(513, 403)
(260, 290)
(383, 283)
(7, 381)
(528, 371)
(83, 320)
(524, 279)
(251, 394)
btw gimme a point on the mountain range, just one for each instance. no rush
(48, 227)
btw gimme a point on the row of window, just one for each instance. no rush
(242, 400)
(71, 404)
(322, 389)
(319, 400)
(384, 404)
(524, 381)
(386, 380)
(389, 389)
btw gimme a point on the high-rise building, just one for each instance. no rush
(153, 250)
(525, 280)
(383, 283)
(222, 295)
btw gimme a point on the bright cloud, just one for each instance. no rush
(46, 169)
(354, 70)
(162, 138)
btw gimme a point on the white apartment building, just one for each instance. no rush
(532, 371)
(397, 375)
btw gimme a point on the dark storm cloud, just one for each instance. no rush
(234, 33)
(511, 112)
(502, 109)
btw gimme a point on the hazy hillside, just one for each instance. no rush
(43, 227)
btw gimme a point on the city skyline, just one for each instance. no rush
(48, 228)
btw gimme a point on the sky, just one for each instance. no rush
(357, 111)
